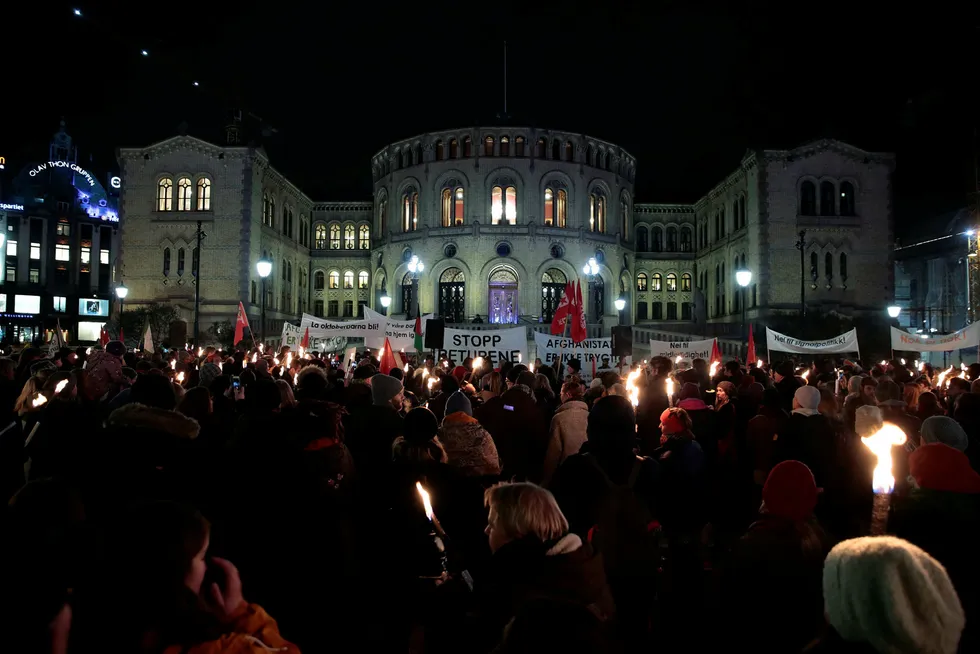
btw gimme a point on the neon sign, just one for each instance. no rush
(11, 207)
(115, 182)
(75, 168)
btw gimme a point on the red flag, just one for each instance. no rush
(387, 359)
(104, 336)
(564, 308)
(750, 357)
(579, 329)
(305, 343)
(241, 322)
(715, 352)
(122, 338)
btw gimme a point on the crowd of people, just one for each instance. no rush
(208, 501)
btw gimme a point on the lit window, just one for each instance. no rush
(362, 279)
(597, 212)
(64, 229)
(185, 194)
(87, 255)
(410, 211)
(318, 280)
(60, 303)
(334, 237)
(11, 248)
(349, 279)
(35, 275)
(104, 257)
(11, 274)
(165, 194)
(555, 203)
(503, 205)
(671, 282)
(348, 237)
(334, 279)
(204, 194)
(657, 282)
(62, 252)
(452, 206)
(35, 250)
(320, 237)
(364, 237)
(641, 282)
(504, 146)
(686, 282)
(549, 207)
(488, 146)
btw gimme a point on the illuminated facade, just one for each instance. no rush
(60, 238)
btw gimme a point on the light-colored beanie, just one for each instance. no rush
(808, 397)
(890, 594)
(867, 420)
(854, 384)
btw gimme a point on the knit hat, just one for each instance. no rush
(383, 388)
(808, 397)
(364, 372)
(939, 467)
(790, 491)
(207, 374)
(458, 402)
(690, 391)
(867, 420)
(459, 372)
(671, 423)
(115, 348)
(943, 429)
(785, 369)
(43, 365)
(888, 393)
(888, 593)
(854, 384)
(420, 425)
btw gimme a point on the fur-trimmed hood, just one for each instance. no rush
(142, 417)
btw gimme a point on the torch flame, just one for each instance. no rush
(429, 513)
(200, 351)
(173, 364)
(942, 377)
(88, 350)
(903, 361)
(881, 443)
(406, 368)
(714, 368)
(530, 366)
(432, 382)
(39, 401)
(180, 377)
(477, 363)
(758, 364)
(289, 359)
(806, 373)
(255, 357)
(262, 348)
(631, 387)
(60, 386)
(670, 387)
(884, 363)
(425, 373)
(962, 366)
(295, 379)
(676, 360)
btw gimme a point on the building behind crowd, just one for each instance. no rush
(502, 218)
(59, 231)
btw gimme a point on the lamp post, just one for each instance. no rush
(893, 311)
(620, 305)
(744, 277)
(385, 302)
(121, 293)
(197, 286)
(264, 268)
(801, 246)
(415, 266)
(591, 269)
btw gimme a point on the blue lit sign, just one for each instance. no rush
(11, 207)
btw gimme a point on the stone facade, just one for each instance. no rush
(501, 217)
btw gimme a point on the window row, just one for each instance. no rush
(828, 267)
(328, 237)
(319, 277)
(721, 222)
(654, 241)
(834, 199)
(334, 308)
(181, 256)
(655, 282)
(656, 310)
(190, 196)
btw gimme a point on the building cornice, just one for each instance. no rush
(343, 206)
(823, 145)
(650, 208)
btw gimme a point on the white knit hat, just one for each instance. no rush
(867, 420)
(888, 593)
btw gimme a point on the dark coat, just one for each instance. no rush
(519, 430)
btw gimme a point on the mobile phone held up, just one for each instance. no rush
(236, 383)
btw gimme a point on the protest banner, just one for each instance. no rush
(688, 351)
(591, 350)
(968, 337)
(400, 333)
(495, 346)
(846, 342)
(321, 328)
(291, 335)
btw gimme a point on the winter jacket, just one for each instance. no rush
(104, 374)
(469, 446)
(568, 432)
(251, 631)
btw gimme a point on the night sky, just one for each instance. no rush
(686, 87)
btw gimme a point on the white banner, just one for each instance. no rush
(968, 337)
(400, 333)
(320, 328)
(687, 350)
(291, 336)
(846, 342)
(589, 351)
(495, 346)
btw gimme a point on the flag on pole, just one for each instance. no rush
(750, 357)
(305, 341)
(715, 351)
(104, 337)
(241, 322)
(418, 331)
(387, 359)
(57, 339)
(579, 329)
(563, 310)
(148, 339)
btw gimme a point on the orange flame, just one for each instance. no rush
(881, 443)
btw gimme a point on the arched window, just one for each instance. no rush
(828, 267)
(348, 279)
(334, 279)
(642, 239)
(502, 296)
(503, 205)
(364, 238)
(671, 282)
(657, 241)
(687, 240)
(597, 212)
(555, 207)
(165, 195)
(320, 236)
(672, 239)
(453, 149)
(285, 268)
(185, 194)
(814, 273)
(410, 211)
(657, 282)
(180, 261)
(828, 206)
(590, 155)
(363, 279)
(569, 151)
(407, 293)
(272, 211)
(452, 206)
(440, 152)
(204, 194)
(686, 282)
(265, 208)
(334, 237)
(741, 210)
(504, 146)
(843, 267)
(488, 146)
(467, 146)
(808, 199)
(166, 262)
(349, 240)
(318, 280)
(846, 199)
(289, 271)
(452, 293)
(382, 217)
(641, 282)
(519, 146)
(556, 150)
(404, 158)
(539, 149)
(553, 283)
(624, 204)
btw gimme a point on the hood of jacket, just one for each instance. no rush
(572, 406)
(692, 404)
(142, 417)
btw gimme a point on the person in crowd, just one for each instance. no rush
(568, 429)
(468, 446)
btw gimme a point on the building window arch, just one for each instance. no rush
(363, 279)
(671, 282)
(410, 210)
(504, 146)
(539, 148)
(672, 239)
(452, 295)
(334, 236)
(642, 239)
(569, 151)
(686, 280)
(641, 282)
(440, 151)
(453, 149)
(828, 267)
(519, 146)
(847, 199)
(503, 205)
(553, 283)
(687, 240)
(165, 194)
(828, 199)
(320, 236)
(624, 204)
(382, 216)
(204, 194)
(814, 273)
(180, 261)
(597, 212)
(407, 293)
(590, 155)
(452, 206)
(318, 280)
(467, 146)
(657, 239)
(488, 146)
(166, 262)
(334, 279)
(843, 267)
(185, 194)
(808, 198)
(555, 206)
(348, 279)
(364, 237)
(502, 305)
(350, 242)
(657, 282)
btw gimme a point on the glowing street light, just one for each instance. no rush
(620, 304)
(894, 310)
(264, 268)
(591, 268)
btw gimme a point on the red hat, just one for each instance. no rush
(671, 423)
(459, 372)
(790, 491)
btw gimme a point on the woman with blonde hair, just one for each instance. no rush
(911, 396)
(286, 398)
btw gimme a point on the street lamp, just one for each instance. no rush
(620, 304)
(264, 267)
(894, 310)
(121, 293)
(385, 302)
(744, 277)
(591, 268)
(415, 266)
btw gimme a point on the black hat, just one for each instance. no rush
(420, 425)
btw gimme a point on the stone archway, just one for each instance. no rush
(503, 285)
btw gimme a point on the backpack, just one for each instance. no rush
(626, 533)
